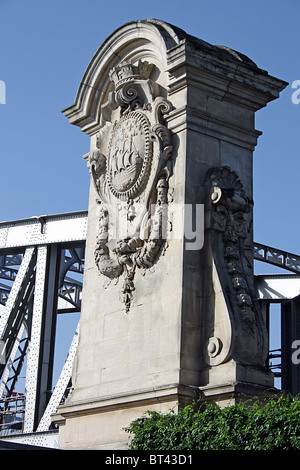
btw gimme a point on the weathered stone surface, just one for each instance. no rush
(164, 321)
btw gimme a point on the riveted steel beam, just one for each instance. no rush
(38, 261)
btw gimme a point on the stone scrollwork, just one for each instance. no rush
(130, 168)
(229, 205)
(214, 346)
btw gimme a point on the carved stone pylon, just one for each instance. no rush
(165, 321)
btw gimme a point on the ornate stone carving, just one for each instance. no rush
(231, 203)
(129, 157)
(130, 168)
(228, 205)
(214, 346)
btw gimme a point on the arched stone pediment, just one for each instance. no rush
(134, 41)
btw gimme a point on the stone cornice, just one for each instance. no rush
(237, 81)
(188, 117)
(145, 397)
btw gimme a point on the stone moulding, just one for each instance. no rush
(180, 394)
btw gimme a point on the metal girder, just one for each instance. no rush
(38, 366)
(283, 289)
(276, 257)
(277, 287)
(17, 304)
(43, 230)
(10, 260)
(60, 391)
(15, 363)
(38, 261)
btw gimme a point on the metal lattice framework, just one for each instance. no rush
(41, 268)
(283, 289)
(276, 257)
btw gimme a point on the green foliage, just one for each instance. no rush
(272, 426)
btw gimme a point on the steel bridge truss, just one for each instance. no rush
(41, 268)
(283, 289)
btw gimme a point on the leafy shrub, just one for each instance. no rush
(273, 426)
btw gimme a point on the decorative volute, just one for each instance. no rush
(128, 44)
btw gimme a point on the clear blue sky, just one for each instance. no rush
(45, 47)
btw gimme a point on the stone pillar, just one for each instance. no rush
(169, 311)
